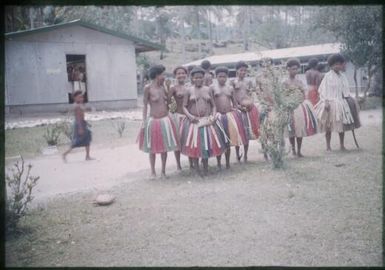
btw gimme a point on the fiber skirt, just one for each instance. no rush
(83, 139)
(343, 115)
(158, 135)
(202, 141)
(313, 95)
(178, 118)
(233, 126)
(250, 121)
(303, 121)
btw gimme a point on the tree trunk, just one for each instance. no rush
(210, 32)
(370, 74)
(199, 32)
(183, 34)
(355, 80)
(245, 30)
(31, 23)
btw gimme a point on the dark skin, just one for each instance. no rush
(224, 102)
(243, 101)
(197, 103)
(155, 96)
(79, 116)
(292, 81)
(337, 67)
(178, 91)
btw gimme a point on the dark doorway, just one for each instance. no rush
(77, 75)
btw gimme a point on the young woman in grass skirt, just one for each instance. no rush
(81, 134)
(313, 79)
(201, 135)
(178, 91)
(158, 134)
(227, 114)
(245, 103)
(303, 120)
(336, 110)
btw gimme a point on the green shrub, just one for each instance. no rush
(52, 133)
(19, 184)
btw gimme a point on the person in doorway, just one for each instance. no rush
(228, 115)
(158, 134)
(81, 134)
(303, 121)
(245, 103)
(201, 135)
(337, 111)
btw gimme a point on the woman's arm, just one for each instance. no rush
(185, 110)
(145, 102)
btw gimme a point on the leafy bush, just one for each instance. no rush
(52, 133)
(120, 127)
(20, 185)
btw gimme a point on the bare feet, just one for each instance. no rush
(342, 148)
(293, 152)
(328, 149)
(239, 157)
(164, 176)
(153, 176)
(227, 166)
(299, 155)
(179, 168)
(89, 158)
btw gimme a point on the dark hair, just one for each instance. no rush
(312, 63)
(336, 58)
(77, 93)
(241, 64)
(320, 67)
(197, 70)
(293, 62)
(205, 64)
(190, 67)
(221, 69)
(155, 71)
(180, 67)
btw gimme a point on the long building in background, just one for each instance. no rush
(279, 56)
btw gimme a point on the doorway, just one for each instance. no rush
(77, 75)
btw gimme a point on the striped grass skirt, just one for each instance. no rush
(158, 135)
(251, 123)
(178, 118)
(303, 121)
(233, 126)
(202, 142)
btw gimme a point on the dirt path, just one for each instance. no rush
(323, 210)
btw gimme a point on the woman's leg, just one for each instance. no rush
(292, 143)
(177, 158)
(328, 136)
(64, 156)
(299, 144)
(227, 156)
(342, 137)
(246, 149)
(164, 160)
(152, 164)
(205, 162)
(219, 161)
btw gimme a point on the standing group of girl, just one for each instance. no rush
(211, 115)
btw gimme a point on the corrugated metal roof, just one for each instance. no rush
(305, 51)
(141, 45)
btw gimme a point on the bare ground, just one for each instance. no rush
(322, 210)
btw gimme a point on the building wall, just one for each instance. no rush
(36, 71)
